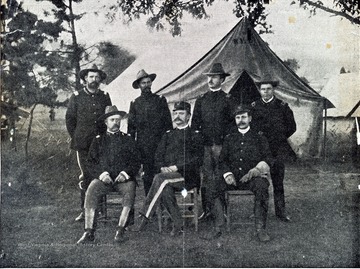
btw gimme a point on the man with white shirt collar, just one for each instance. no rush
(275, 119)
(212, 117)
(113, 163)
(244, 164)
(177, 160)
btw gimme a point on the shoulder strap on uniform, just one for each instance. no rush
(76, 93)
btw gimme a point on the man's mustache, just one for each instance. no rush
(93, 84)
(178, 119)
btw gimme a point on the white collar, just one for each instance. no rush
(181, 128)
(109, 132)
(215, 90)
(244, 131)
(268, 101)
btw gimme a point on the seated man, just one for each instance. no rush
(114, 162)
(244, 164)
(178, 158)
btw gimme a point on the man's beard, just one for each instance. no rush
(146, 89)
(93, 85)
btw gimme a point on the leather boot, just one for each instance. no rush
(87, 237)
(119, 235)
(206, 215)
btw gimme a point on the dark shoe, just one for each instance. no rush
(205, 216)
(262, 235)
(119, 236)
(143, 221)
(87, 237)
(284, 218)
(212, 235)
(176, 231)
(81, 217)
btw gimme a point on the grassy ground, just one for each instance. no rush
(39, 201)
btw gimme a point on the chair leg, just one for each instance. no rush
(227, 201)
(196, 209)
(159, 217)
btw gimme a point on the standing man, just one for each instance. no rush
(244, 164)
(113, 164)
(178, 159)
(212, 117)
(149, 118)
(275, 120)
(85, 107)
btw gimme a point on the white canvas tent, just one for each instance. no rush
(343, 90)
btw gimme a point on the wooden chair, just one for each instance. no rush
(188, 205)
(228, 198)
(111, 202)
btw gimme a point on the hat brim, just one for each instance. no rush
(84, 72)
(241, 111)
(273, 83)
(135, 84)
(103, 117)
(214, 74)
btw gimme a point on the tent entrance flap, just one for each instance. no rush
(244, 90)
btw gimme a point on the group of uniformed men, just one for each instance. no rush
(238, 146)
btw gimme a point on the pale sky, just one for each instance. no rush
(322, 44)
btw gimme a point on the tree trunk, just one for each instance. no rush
(77, 50)
(29, 130)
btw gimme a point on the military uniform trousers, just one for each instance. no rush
(163, 190)
(260, 187)
(84, 177)
(211, 175)
(97, 189)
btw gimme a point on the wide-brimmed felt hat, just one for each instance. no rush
(140, 75)
(93, 68)
(182, 106)
(217, 69)
(241, 109)
(110, 111)
(267, 79)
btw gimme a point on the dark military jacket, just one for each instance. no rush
(113, 153)
(276, 120)
(242, 152)
(183, 148)
(212, 116)
(81, 117)
(149, 118)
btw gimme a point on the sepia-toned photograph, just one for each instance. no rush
(180, 134)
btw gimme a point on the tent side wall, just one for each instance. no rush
(341, 139)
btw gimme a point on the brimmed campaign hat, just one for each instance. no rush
(217, 69)
(93, 68)
(267, 79)
(110, 111)
(140, 75)
(182, 106)
(241, 109)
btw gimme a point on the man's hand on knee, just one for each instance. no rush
(105, 177)
(230, 180)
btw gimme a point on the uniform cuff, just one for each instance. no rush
(125, 175)
(226, 174)
(103, 174)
